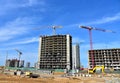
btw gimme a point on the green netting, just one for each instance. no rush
(116, 72)
(17, 68)
(59, 70)
(56, 70)
(113, 71)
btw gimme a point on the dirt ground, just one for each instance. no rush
(18, 79)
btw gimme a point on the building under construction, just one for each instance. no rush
(14, 63)
(55, 52)
(110, 58)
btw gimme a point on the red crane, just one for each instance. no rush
(90, 35)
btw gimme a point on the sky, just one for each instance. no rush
(23, 21)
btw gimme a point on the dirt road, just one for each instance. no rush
(18, 79)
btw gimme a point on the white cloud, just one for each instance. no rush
(106, 19)
(26, 41)
(99, 21)
(19, 42)
(22, 3)
(34, 2)
(14, 28)
(77, 40)
(10, 5)
(9, 33)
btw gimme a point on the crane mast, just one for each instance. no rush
(19, 54)
(54, 29)
(91, 44)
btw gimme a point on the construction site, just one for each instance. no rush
(59, 61)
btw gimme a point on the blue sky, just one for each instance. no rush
(19, 18)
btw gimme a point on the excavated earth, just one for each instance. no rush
(18, 79)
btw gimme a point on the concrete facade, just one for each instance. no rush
(110, 58)
(12, 63)
(75, 56)
(55, 52)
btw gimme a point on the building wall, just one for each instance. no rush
(39, 51)
(55, 52)
(28, 64)
(68, 53)
(12, 63)
(110, 58)
(8, 63)
(75, 57)
(21, 64)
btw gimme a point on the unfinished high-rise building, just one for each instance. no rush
(12, 63)
(55, 52)
(110, 58)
